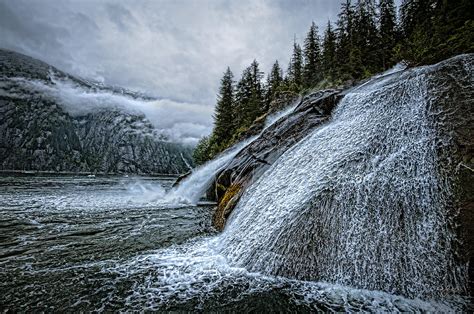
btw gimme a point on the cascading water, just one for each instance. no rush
(271, 119)
(191, 189)
(359, 202)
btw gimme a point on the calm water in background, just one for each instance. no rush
(107, 243)
(59, 235)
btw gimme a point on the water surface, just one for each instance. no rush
(75, 243)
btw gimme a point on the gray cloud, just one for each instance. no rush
(175, 49)
(122, 17)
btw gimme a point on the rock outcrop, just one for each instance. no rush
(253, 160)
(453, 90)
(450, 88)
(39, 134)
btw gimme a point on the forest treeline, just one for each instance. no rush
(368, 37)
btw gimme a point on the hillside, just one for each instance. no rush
(50, 121)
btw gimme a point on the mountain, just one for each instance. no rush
(53, 121)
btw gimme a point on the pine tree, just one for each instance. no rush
(366, 39)
(329, 54)
(388, 32)
(345, 51)
(417, 28)
(295, 69)
(312, 58)
(242, 95)
(453, 28)
(224, 115)
(257, 104)
(249, 96)
(274, 83)
(201, 153)
(413, 14)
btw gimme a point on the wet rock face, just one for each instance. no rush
(450, 99)
(454, 108)
(38, 134)
(281, 101)
(256, 158)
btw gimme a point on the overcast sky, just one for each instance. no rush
(173, 49)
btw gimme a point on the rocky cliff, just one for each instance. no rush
(38, 133)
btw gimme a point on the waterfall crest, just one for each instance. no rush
(360, 201)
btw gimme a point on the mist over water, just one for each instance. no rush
(192, 188)
(177, 121)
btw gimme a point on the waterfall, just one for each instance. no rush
(193, 187)
(360, 201)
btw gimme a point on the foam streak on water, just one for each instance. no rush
(358, 202)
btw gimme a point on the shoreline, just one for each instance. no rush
(84, 173)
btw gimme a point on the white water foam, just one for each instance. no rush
(196, 273)
(192, 188)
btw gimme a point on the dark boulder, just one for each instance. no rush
(181, 178)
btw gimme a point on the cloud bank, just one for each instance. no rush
(173, 49)
(178, 121)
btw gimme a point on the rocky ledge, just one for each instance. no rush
(311, 111)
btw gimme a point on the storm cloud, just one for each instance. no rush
(172, 49)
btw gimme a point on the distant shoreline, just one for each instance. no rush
(84, 173)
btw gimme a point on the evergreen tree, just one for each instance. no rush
(242, 95)
(295, 69)
(415, 13)
(312, 58)
(388, 32)
(224, 115)
(453, 28)
(417, 28)
(249, 96)
(329, 54)
(274, 83)
(202, 153)
(366, 39)
(348, 60)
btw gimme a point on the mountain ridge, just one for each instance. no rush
(40, 134)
